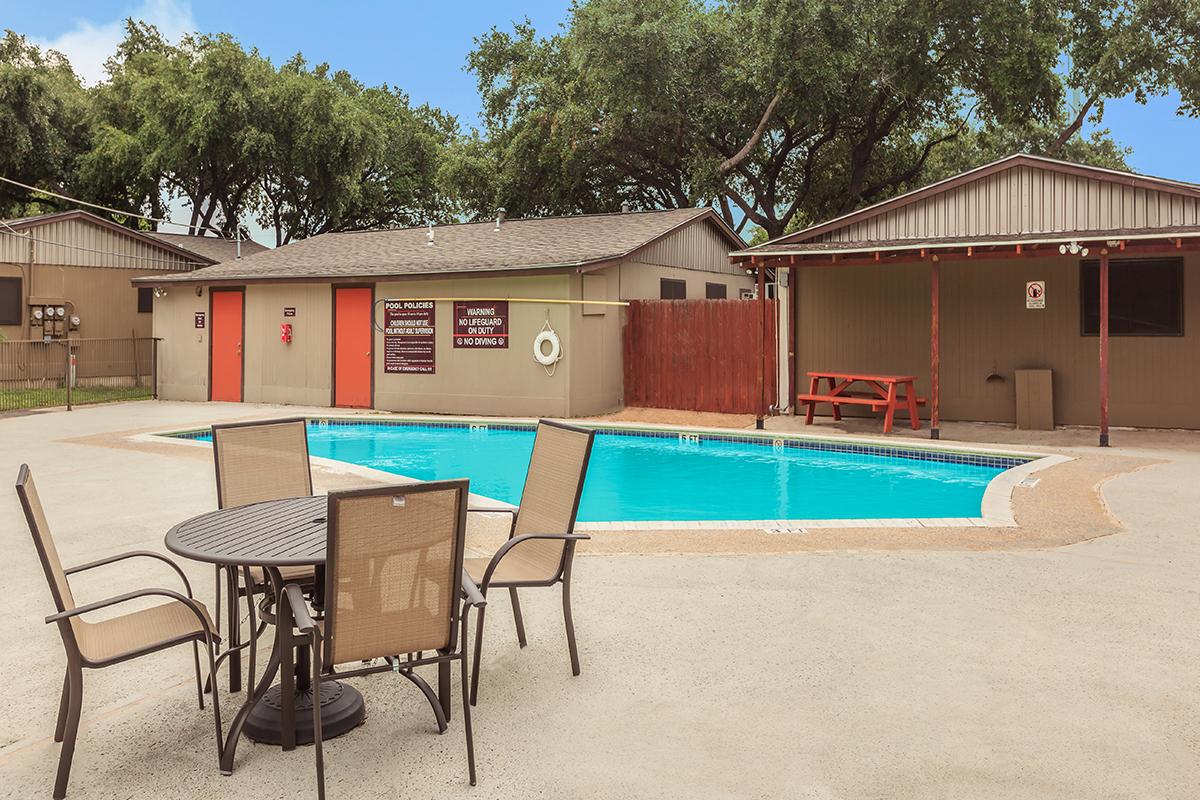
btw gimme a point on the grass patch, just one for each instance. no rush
(17, 399)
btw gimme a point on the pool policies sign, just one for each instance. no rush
(408, 336)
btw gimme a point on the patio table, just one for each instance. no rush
(272, 535)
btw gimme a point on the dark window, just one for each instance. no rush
(145, 299)
(1145, 297)
(715, 291)
(671, 289)
(10, 302)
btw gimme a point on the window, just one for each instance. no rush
(671, 289)
(715, 291)
(10, 302)
(145, 299)
(1145, 297)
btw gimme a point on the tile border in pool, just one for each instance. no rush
(996, 506)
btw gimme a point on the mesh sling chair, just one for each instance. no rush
(393, 577)
(541, 543)
(110, 641)
(255, 462)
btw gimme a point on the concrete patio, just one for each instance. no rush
(843, 671)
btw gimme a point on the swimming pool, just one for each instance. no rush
(642, 476)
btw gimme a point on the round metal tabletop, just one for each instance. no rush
(275, 533)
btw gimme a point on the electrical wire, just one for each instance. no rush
(113, 254)
(110, 210)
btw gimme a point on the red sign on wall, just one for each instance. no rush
(408, 336)
(480, 324)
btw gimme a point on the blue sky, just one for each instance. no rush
(421, 47)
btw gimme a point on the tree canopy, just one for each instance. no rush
(781, 112)
(777, 113)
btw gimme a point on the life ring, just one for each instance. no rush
(543, 358)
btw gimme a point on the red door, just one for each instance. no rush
(352, 347)
(226, 357)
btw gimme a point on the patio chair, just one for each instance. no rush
(256, 462)
(541, 543)
(393, 575)
(110, 641)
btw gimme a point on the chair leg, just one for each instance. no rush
(62, 706)
(234, 637)
(216, 701)
(254, 632)
(478, 650)
(199, 678)
(468, 701)
(70, 730)
(208, 685)
(566, 598)
(516, 604)
(317, 736)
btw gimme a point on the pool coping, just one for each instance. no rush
(995, 507)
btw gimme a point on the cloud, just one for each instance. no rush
(88, 45)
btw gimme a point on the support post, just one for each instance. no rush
(67, 370)
(1104, 347)
(935, 348)
(793, 337)
(762, 346)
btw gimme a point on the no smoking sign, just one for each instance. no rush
(1035, 294)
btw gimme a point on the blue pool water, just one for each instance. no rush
(655, 478)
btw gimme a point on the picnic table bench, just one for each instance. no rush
(880, 392)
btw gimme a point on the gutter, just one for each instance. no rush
(1065, 238)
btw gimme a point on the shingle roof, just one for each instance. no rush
(217, 249)
(519, 244)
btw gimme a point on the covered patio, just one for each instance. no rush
(1030, 247)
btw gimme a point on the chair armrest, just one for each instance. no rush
(299, 608)
(124, 598)
(133, 554)
(512, 511)
(516, 540)
(471, 591)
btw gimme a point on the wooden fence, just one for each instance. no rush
(699, 355)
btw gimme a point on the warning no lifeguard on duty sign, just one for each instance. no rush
(1035, 294)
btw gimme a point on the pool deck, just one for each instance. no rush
(1055, 659)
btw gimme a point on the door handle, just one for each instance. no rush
(239, 348)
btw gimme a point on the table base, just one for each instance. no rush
(342, 710)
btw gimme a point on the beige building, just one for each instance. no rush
(83, 264)
(1023, 251)
(440, 319)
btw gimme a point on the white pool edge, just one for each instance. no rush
(995, 508)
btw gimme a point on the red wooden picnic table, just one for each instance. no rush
(887, 392)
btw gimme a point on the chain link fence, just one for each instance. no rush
(71, 372)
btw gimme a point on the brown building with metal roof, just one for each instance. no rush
(1006, 268)
(436, 319)
(83, 264)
